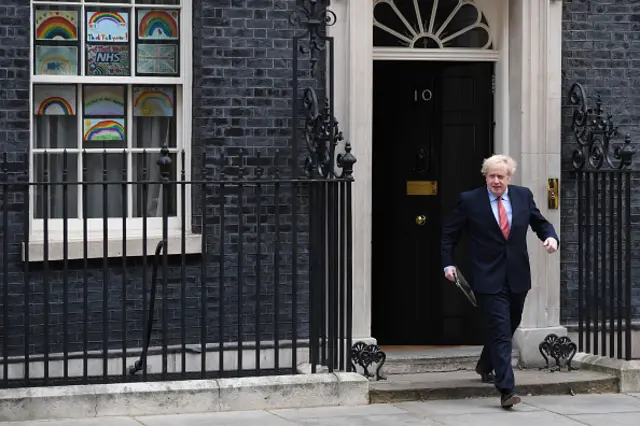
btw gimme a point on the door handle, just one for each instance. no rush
(421, 220)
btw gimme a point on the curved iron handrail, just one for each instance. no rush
(138, 365)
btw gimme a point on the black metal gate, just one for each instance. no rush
(603, 179)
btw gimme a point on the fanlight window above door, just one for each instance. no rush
(435, 24)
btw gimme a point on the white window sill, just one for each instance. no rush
(95, 246)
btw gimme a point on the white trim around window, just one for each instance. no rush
(48, 75)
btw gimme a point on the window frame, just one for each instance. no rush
(183, 115)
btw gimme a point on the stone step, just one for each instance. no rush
(467, 384)
(434, 360)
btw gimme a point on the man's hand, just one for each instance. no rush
(450, 273)
(551, 245)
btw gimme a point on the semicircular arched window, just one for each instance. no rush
(430, 24)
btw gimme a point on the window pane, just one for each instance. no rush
(55, 124)
(154, 117)
(155, 24)
(108, 60)
(157, 42)
(50, 199)
(56, 33)
(104, 133)
(148, 198)
(104, 123)
(108, 42)
(104, 101)
(101, 167)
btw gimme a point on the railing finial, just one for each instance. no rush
(164, 162)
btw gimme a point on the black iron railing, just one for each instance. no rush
(603, 178)
(251, 273)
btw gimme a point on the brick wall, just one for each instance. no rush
(14, 79)
(600, 51)
(241, 101)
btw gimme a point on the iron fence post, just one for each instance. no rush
(164, 162)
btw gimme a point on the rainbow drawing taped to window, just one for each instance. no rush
(108, 27)
(153, 102)
(158, 25)
(56, 25)
(104, 129)
(103, 101)
(54, 100)
(56, 60)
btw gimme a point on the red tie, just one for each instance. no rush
(503, 219)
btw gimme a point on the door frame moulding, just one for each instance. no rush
(443, 55)
(355, 55)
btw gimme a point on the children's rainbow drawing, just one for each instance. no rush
(153, 102)
(54, 100)
(158, 25)
(104, 100)
(104, 129)
(108, 27)
(57, 60)
(96, 18)
(56, 25)
(55, 106)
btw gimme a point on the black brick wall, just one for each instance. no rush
(14, 79)
(601, 51)
(242, 78)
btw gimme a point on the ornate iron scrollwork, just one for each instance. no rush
(315, 17)
(366, 355)
(593, 130)
(562, 349)
(322, 135)
(321, 129)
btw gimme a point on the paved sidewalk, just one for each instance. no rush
(591, 410)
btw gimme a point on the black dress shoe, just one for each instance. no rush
(484, 376)
(508, 400)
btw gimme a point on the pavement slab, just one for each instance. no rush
(406, 419)
(586, 404)
(94, 421)
(336, 412)
(459, 406)
(561, 410)
(617, 419)
(531, 418)
(231, 418)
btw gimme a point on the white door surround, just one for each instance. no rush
(527, 51)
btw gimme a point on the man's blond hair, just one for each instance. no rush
(499, 160)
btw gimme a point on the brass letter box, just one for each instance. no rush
(422, 187)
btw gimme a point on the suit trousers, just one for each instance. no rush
(502, 313)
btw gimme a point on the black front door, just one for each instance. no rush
(432, 127)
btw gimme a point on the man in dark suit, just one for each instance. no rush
(497, 218)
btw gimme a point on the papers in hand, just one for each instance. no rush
(464, 286)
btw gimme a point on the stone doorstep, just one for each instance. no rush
(182, 397)
(435, 360)
(467, 384)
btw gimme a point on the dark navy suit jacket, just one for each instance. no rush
(494, 260)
